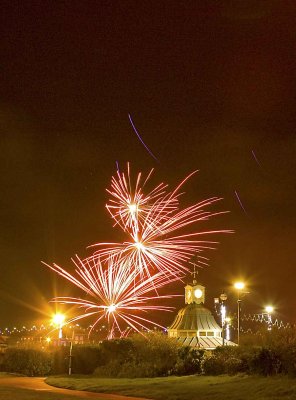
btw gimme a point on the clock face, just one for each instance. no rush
(198, 293)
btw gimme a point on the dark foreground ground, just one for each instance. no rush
(172, 388)
(188, 387)
(24, 388)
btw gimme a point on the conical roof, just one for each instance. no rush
(195, 317)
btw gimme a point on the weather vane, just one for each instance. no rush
(194, 262)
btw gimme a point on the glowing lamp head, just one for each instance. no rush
(198, 293)
(269, 309)
(239, 285)
(48, 339)
(58, 319)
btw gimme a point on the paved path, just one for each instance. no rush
(38, 384)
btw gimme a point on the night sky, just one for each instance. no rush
(210, 86)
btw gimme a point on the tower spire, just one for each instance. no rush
(195, 272)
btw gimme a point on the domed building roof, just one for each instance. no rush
(195, 317)
(194, 324)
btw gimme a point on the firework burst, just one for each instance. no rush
(114, 292)
(121, 281)
(129, 206)
(153, 224)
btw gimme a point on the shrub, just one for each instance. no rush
(266, 362)
(110, 370)
(60, 360)
(85, 359)
(121, 350)
(234, 366)
(156, 354)
(288, 359)
(227, 360)
(139, 356)
(214, 366)
(29, 362)
(189, 361)
(1, 362)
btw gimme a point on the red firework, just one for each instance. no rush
(120, 280)
(114, 292)
(152, 223)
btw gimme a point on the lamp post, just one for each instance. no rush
(221, 311)
(227, 329)
(70, 357)
(269, 311)
(58, 319)
(223, 297)
(239, 286)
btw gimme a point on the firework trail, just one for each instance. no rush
(240, 202)
(114, 292)
(141, 140)
(255, 158)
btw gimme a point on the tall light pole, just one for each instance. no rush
(58, 319)
(227, 329)
(269, 311)
(239, 286)
(221, 311)
(223, 298)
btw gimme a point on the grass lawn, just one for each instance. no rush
(187, 387)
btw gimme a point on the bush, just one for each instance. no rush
(189, 361)
(234, 366)
(214, 366)
(276, 354)
(156, 354)
(288, 359)
(227, 360)
(139, 356)
(60, 360)
(27, 361)
(121, 350)
(110, 370)
(85, 359)
(1, 362)
(266, 362)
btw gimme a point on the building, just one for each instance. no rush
(194, 324)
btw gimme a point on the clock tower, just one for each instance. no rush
(194, 325)
(194, 293)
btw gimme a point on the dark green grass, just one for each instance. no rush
(188, 387)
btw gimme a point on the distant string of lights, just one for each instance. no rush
(42, 328)
(262, 318)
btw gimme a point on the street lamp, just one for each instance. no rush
(58, 319)
(239, 286)
(223, 298)
(219, 301)
(269, 310)
(227, 329)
